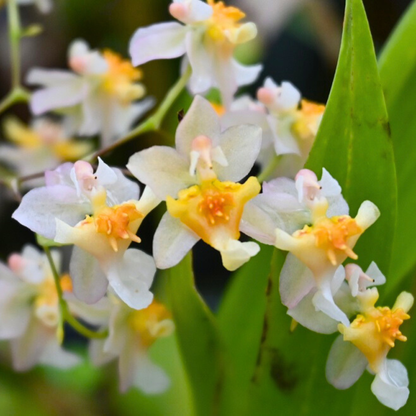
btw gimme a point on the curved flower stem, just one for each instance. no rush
(17, 93)
(153, 122)
(269, 169)
(65, 314)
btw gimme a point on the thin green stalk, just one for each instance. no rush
(269, 169)
(64, 312)
(153, 122)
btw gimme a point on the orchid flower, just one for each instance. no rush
(99, 212)
(29, 311)
(366, 343)
(198, 180)
(294, 122)
(131, 334)
(208, 37)
(98, 96)
(39, 146)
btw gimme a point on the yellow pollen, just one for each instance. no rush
(223, 18)
(214, 207)
(121, 78)
(218, 108)
(332, 235)
(114, 222)
(151, 323)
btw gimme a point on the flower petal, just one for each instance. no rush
(241, 146)
(345, 365)
(89, 281)
(131, 278)
(236, 253)
(41, 206)
(97, 354)
(161, 41)
(162, 169)
(296, 281)
(390, 385)
(200, 120)
(246, 75)
(149, 377)
(171, 242)
(54, 355)
(49, 78)
(375, 273)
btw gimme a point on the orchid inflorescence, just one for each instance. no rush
(210, 193)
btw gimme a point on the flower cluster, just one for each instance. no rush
(208, 184)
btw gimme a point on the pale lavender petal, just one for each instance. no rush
(246, 74)
(161, 41)
(50, 78)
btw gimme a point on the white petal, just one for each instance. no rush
(41, 206)
(172, 241)
(196, 10)
(289, 96)
(284, 141)
(345, 365)
(105, 175)
(97, 314)
(127, 364)
(27, 350)
(149, 377)
(162, 169)
(161, 41)
(122, 190)
(200, 61)
(131, 278)
(59, 96)
(236, 253)
(200, 120)
(241, 146)
(119, 333)
(97, 354)
(338, 279)
(90, 282)
(306, 314)
(354, 282)
(246, 75)
(324, 302)
(148, 201)
(50, 78)
(54, 355)
(330, 186)
(375, 273)
(225, 78)
(390, 385)
(367, 214)
(296, 281)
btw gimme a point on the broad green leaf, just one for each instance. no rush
(353, 142)
(289, 377)
(240, 320)
(398, 76)
(198, 337)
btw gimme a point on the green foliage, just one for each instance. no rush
(353, 142)
(398, 73)
(198, 337)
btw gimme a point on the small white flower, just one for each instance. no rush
(208, 38)
(366, 343)
(99, 212)
(198, 182)
(29, 311)
(97, 97)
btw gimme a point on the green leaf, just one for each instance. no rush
(240, 320)
(353, 142)
(197, 336)
(398, 76)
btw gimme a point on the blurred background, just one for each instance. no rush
(298, 41)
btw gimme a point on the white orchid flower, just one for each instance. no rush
(39, 146)
(99, 212)
(98, 96)
(198, 182)
(29, 311)
(366, 343)
(207, 38)
(293, 121)
(131, 334)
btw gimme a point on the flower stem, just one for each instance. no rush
(153, 122)
(65, 314)
(269, 169)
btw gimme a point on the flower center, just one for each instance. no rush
(151, 323)
(332, 235)
(308, 119)
(116, 223)
(120, 78)
(213, 208)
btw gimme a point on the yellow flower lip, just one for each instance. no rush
(151, 323)
(213, 209)
(115, 223)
